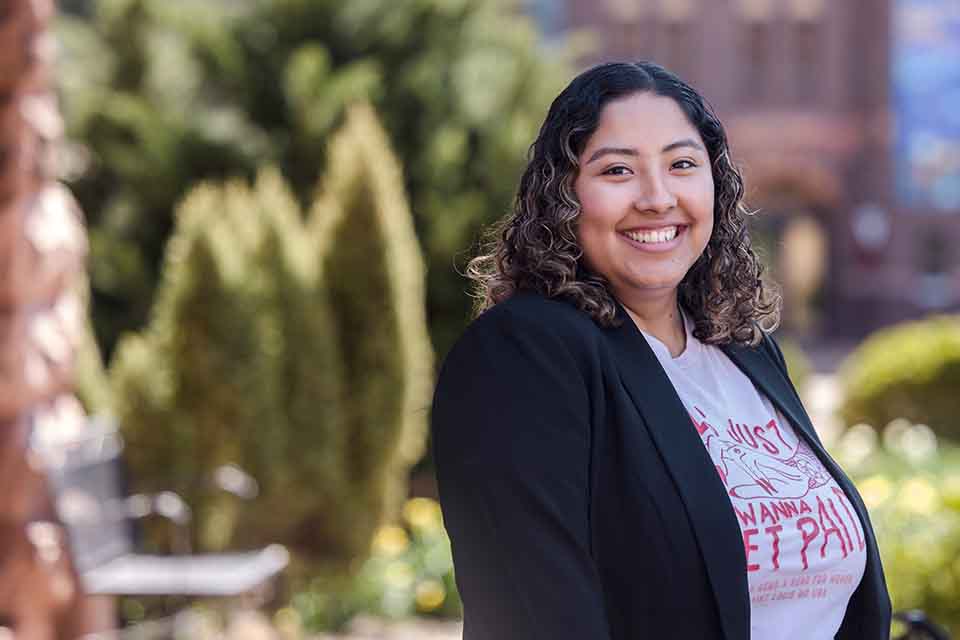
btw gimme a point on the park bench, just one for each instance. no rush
(919, 626)
(86, 480)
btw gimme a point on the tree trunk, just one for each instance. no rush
(42, 249)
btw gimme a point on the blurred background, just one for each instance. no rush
(231, 238)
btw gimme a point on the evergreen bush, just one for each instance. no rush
(295, 349)
(908, 371)
(161, 93)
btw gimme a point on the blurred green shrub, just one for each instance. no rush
(162, 93)
(910, 482)
(298, 351)
(410, 571)
(910, 371)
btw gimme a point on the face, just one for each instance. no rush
(646, 193)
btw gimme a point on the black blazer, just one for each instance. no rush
(580, 502)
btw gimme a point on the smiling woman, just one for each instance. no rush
(620, 451)
(646, 198)
(621, 146)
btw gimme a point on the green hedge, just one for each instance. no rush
(911, 485)
(911, 371)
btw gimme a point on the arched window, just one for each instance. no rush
(806, 28)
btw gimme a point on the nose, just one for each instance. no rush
(654, 196)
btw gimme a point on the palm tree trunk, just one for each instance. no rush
(42, 249)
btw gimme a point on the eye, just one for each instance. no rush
(609, 171)
(683, 164)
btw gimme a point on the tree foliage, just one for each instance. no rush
(165, 92)
(296, 349)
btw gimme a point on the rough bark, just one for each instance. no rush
(42, 249)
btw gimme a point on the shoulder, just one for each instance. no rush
(531, 317)
(519, 374)
(770, 347)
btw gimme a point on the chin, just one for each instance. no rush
(647, 285)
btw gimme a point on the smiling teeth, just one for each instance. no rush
(662, 235)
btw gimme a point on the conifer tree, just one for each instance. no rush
(295, 349)
(371, 266)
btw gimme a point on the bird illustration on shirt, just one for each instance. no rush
(772, 477)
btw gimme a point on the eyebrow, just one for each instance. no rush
(630, 151)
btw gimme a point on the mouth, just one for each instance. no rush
(662, 239)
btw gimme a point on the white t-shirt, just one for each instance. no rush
(803, 539)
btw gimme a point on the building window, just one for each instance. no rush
(933, 251)
(676, 11)
(677, 46)
(758, 18)
(756, 10)
(678, 49)
(934, 287)
(806, 61)
(755, 70)
(807, 10)
(624, 20)
(625, 11)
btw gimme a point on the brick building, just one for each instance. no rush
(819, 99)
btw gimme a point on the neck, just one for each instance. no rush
(660, 317)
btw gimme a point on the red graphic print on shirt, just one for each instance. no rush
(795, 519)
(773, 466)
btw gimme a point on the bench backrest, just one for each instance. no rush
(88, 491)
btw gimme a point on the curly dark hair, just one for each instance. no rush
(535, 247)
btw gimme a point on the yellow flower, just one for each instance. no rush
(288, 622)
(919, 496)
(430, 594)
(422, 513)
(875, 490)
(390, 540)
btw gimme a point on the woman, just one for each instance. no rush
(620, 452)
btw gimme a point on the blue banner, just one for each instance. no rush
(926, 103)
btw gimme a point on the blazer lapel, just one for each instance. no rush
(767, 378)
(701, 490)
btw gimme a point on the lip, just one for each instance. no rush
(655, 247)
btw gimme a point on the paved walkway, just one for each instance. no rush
(364, 628)
(252, 625)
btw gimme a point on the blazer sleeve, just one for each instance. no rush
(511, 425)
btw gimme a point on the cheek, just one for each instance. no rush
(707, 196)
(703, 204)
(588, 238)
(591, 231)
(592, 211)
(601, 206)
